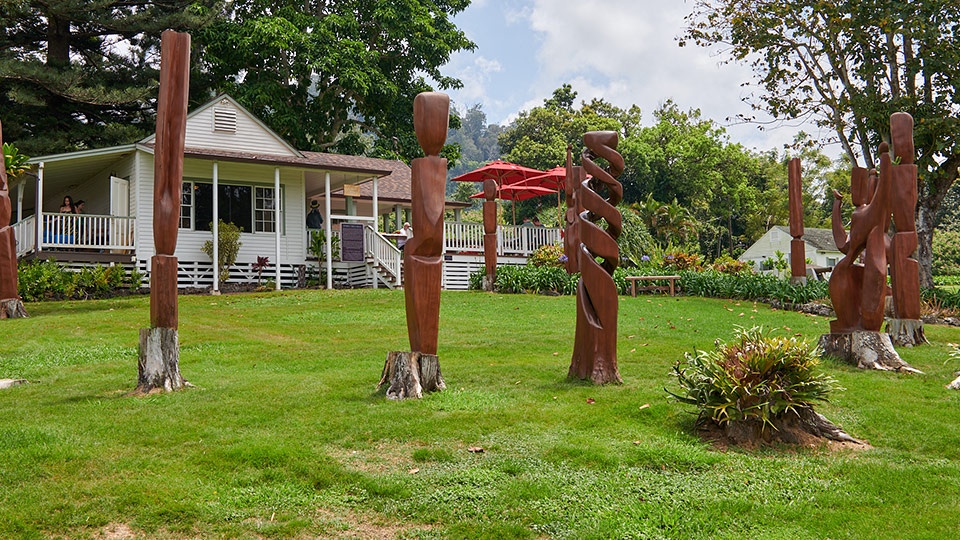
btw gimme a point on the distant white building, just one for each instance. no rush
(821, 251)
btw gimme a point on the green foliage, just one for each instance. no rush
(318, 245)
(676, 261)
(228, 248)
(547, 255)
(78, 75)
(670, 223)
(726, 264)
(47, 280)
(946, 253)
(756, 376)
(329, 76)
(635, 241)
(893, 55)
(940, 298)
(529, 279)
(749, 286)
(14, 162)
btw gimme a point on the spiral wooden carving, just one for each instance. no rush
(595, 343)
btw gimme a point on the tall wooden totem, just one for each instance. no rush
(798, 248)
(11, 305)
(411, 373)
(858, 291)
(595, 342)
(490, 233)
(159, 359)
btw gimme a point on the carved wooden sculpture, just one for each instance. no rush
(858, 291)
(410, 373)
(159, 365)
(905, 327)
(798, 249)
(595, 343)
(11, 305)
(571, 234)
(490, 233)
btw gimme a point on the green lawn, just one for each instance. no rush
(284, 436)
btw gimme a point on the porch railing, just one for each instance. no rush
(384, 253)
(511, 239)
(88, 231)
(25, 232)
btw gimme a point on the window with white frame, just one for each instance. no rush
(251, 208)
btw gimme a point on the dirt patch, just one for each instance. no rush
(116, 531)
(346, 523)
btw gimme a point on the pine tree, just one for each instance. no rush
(78, 74)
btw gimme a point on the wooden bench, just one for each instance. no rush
(671, 288)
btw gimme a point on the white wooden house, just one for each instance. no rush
(820, 249)
(262, 184)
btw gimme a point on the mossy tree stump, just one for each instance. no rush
(866, 350)
(410, 374)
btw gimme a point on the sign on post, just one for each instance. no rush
(351, 242)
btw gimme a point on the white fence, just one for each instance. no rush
(83, 231)
(511, 240)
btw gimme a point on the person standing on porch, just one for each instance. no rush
(407, 231)
(314, 218)
(67, 206)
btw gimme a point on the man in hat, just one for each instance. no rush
(314, 218)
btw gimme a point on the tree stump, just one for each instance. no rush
(159, 362)
(794, 427)
(409, 374)
(955, 385)
(12, 308)
(866, 350)
(906, 332)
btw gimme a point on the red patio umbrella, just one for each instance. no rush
(503, 172)
(517, 192)
(552, 179)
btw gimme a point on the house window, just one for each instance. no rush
(265, 210)
(252, 208)
(831, 261)
(186, 205)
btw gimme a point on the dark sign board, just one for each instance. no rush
(351, 242)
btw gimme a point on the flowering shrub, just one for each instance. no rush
(728, 265)
(679, 260)
(547, 255)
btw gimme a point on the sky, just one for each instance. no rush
(624, 51)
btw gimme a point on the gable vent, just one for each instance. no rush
(225, 120)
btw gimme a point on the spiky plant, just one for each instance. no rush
(756, 376)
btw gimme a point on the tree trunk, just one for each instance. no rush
(906, 332)
(409, 374)
(12, 309)
(159, 363)
(866, 350)
(794, 427)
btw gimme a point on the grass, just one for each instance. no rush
(285, 437)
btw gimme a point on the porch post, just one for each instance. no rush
(376, 206)
(20, 201)
(216, 227)
(398, 212)
(329, 231)
(456, 214)
(38, 241)
(276, 218)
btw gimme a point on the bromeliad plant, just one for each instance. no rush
(755, 377)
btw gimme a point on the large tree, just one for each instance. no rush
(849, 64)
(78, 74)
(327, 75)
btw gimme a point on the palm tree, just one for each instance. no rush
(667, 222)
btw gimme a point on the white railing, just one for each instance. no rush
(335, 249)
(85, 231)
(25, 232)
(384, 253)
(511, 240)
(459, 236)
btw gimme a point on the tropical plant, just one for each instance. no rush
(755, 377)
(670, 223)
(546, 255)
(318, 243)
(14, 162)
(228, 247)
(728, 265)
(259, 266)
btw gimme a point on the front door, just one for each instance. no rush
(121, 230)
